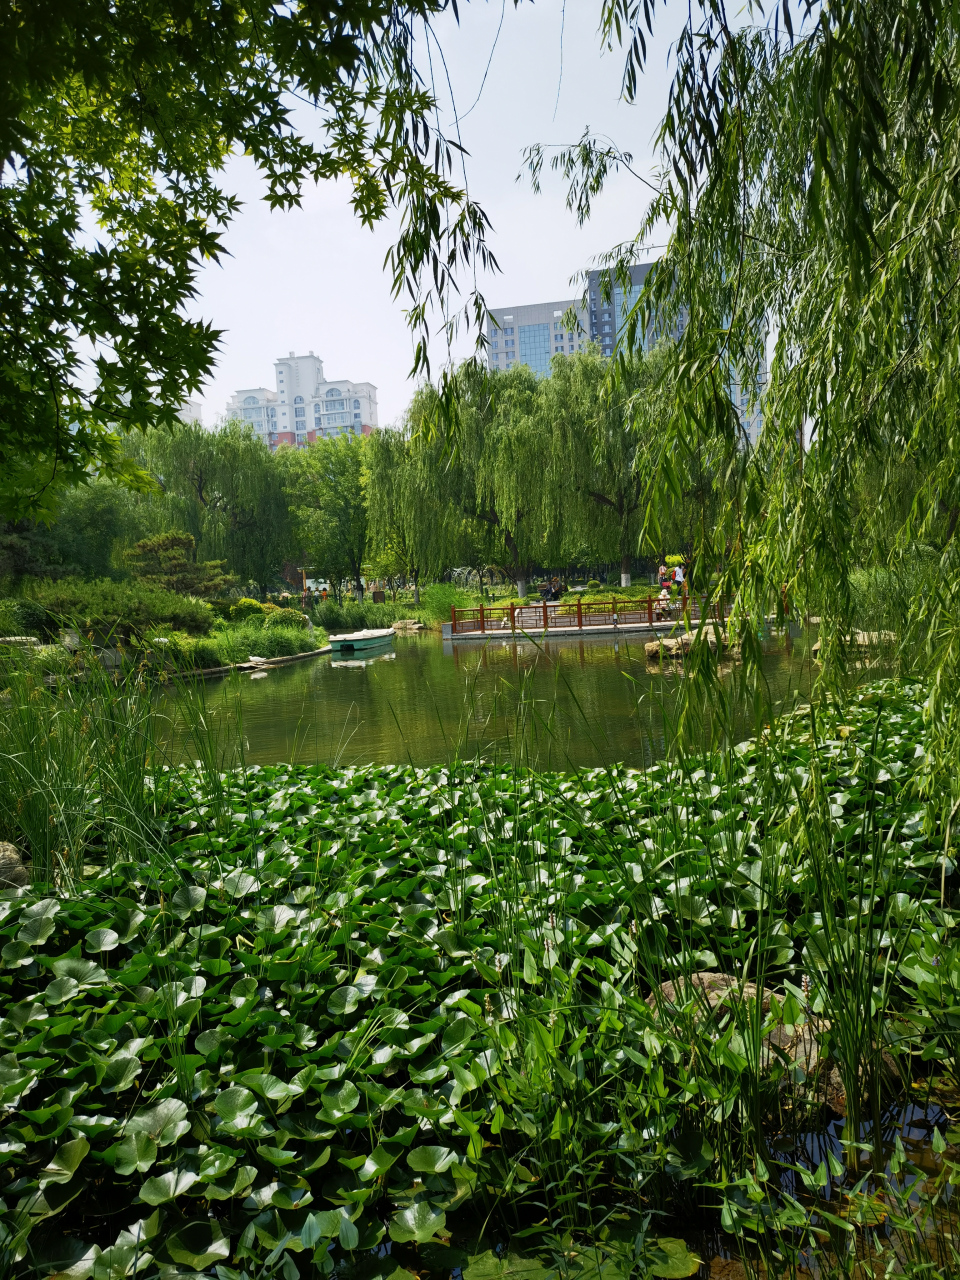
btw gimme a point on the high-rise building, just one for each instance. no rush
(533, 335)
(305, 406)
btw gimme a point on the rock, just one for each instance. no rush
(818, 1079)
(677, 646)
(407, 625)
(13, 874)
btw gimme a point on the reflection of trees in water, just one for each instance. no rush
(570, 703)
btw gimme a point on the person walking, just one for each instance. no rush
(678, 575)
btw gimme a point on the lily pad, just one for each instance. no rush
(198, 1245)
(420, 1223)
(670, 1259)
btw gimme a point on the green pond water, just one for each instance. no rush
(565, 704)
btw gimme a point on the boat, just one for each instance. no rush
(355, 640)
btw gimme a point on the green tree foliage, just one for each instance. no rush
(325, 484)
(403, 543)
(169, 560)
(93, 524)
(603, 441)
(226, 489)
(808, 178)
(491, 482)
(116, 120)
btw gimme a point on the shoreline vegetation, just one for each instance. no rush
(272, 1020)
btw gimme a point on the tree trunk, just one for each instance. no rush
(625, 569)
(522, 587)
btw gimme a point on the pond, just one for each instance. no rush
(564, 704)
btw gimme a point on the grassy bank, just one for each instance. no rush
(268, 1020)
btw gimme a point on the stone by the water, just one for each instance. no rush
(13, 874)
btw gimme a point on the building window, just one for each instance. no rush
(606, 328)
(299, 411)
(510, 330)
(606, 315)
(356, 404)
(332, 393)
(557, 324)
(509, 343)
(251, 400)
(318, 422)
(494, 344)
(298, 399)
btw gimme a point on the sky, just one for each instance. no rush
(312, 279)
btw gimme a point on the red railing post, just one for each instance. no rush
(453, 618)
(546, 622)
(579, 613)
(483, 624)
(513, 616)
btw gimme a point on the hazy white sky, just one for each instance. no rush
(313, 279)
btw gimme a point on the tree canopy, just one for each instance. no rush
(808, 178)
(116, 118)
(227, 491)
(327, 495)
(168, 560)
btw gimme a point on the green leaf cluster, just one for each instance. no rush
(116, 123)
(347, 1004)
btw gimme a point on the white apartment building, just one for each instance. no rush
(305, 406)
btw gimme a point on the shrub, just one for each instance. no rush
(181, 651)
(22, 617)
(245, 609)
(439, 597)
(351, 616)
(238, 643)
(286, 618)
(116, 610)
(593, 585)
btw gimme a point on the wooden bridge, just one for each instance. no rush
(581, 615)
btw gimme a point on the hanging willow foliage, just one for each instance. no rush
(808, 174)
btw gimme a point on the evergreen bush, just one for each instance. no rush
(245, 609)
(106, 610)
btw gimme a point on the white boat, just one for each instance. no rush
(355, 640)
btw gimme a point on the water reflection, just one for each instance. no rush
(566, 703)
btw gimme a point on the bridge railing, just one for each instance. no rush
(544, 616)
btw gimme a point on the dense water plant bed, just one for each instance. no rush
(354, 1016)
